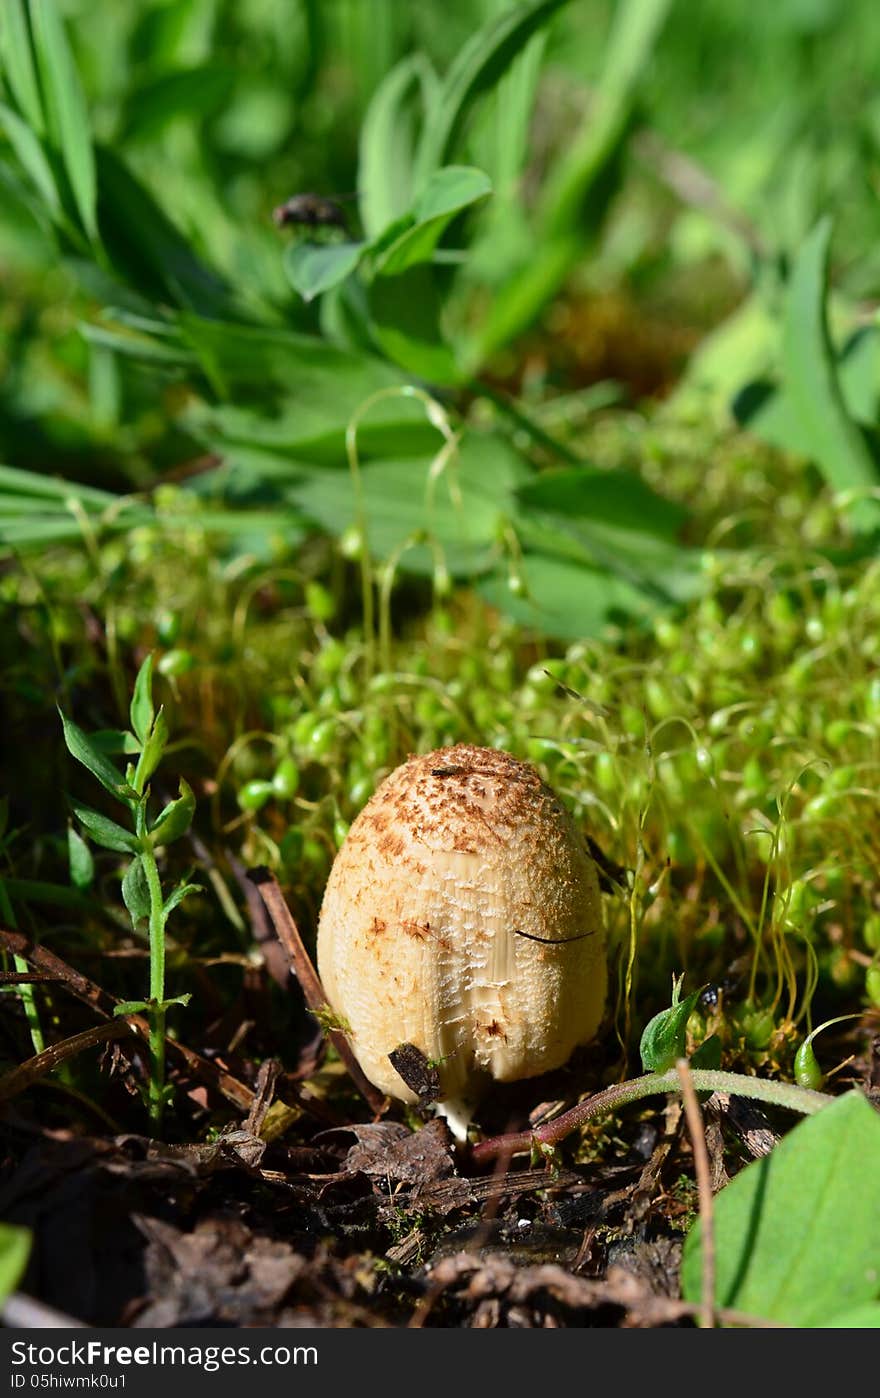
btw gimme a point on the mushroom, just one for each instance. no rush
(462, 917)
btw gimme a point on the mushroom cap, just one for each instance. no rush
(462, 915)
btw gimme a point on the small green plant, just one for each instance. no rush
(797, 1233)
(141, 884)
(15, 1247)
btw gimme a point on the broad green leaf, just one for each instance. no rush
(664, 1038)
(797, 1233)
(66, 108)
(79, 860)
(387, 144)
(130, 1007)
(19, 69)
(136, 891)
(610, 520)
(15, 1249)
(446, 194)
(282, 364)
(405, 312)
(31, 157)
(564, 598)
(461, 511)
(859, 1318)
(811, 384)
(141, 709)
(312, 269)
(481, 61)
(768, 409)
(80, 747)
(175, 819)
(106, 832)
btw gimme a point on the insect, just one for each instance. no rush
(310, 211)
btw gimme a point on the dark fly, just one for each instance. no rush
(310, 211)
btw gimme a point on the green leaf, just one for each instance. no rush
(113, 740)
(461, 511)
(446, 193)
(176, 1000)
(576, 193)
(405, 312)
(811, 384)
(612, 520)
(137, 1007)
(177, 895)
(31, 156)
(136, 891)
(81, 747)
(797, 1233)
(313, 268)
(664, 1039)
(564, 598)
(130, 1007)
(19, 70)
(175, 819)
(66, 108)
(387, 144)
(481, 61)
(154, 747)
(636, 27)
(106, 832)
(191, 92)
(141, 709)
(15, 1249)
(859, 1318)
(708, 1055)
(147, 252)
(79, 859)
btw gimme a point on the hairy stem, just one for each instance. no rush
(780, 1094)
(157, 987)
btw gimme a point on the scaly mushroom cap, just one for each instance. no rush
(462, 915)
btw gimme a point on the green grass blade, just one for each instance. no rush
(811, 381)
(20, 483)
(31, 157)
(386, 151)
(66, 108)
(637, 25)
(481, 62)
(17, 57)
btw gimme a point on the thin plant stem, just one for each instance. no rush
(156, 1011)
(704, 1190)
(26, 992)
(157, 988)
(796, 1099)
